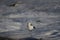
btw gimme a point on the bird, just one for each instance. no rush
(30, 26)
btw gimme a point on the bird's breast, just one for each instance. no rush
(30, 27)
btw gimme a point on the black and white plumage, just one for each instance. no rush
(30, 26)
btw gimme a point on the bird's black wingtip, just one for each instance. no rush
(34, 27)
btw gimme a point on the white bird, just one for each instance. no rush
(30, 26)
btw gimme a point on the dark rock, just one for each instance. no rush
(38, 21)
(5, 38)
(29, 38)
(12, 4)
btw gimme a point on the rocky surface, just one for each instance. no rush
(43, 14)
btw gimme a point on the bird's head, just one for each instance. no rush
(30, 24)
